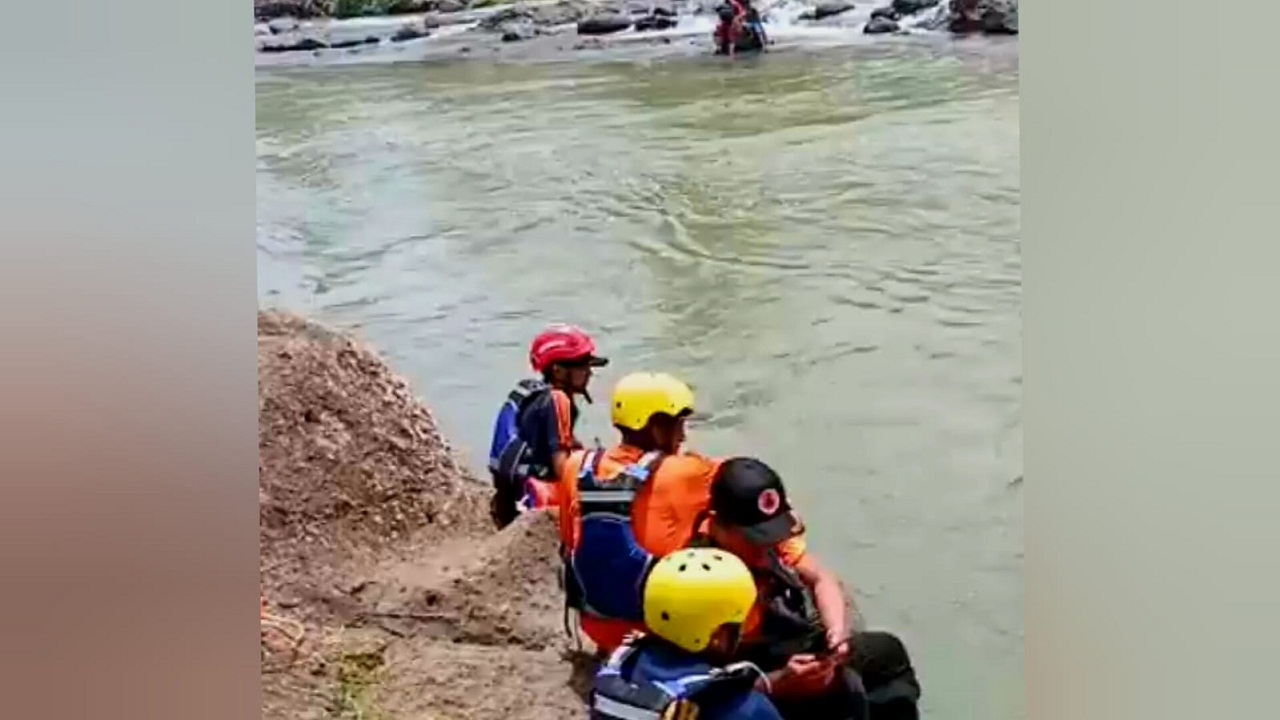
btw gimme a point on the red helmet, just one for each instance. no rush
(563, 343)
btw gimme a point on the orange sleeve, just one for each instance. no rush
(694, 496)
(564, 419)
(567, 496)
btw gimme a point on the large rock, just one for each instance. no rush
(656, 22)
(825, 9)
(992, 17)
(410, 31)
(604, 24)
(517, 30)
(886, 12)
(354, 42)
(911, 7)
(291, 42)
(280, 26)
(880, 25)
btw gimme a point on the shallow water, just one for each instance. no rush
(825, 245)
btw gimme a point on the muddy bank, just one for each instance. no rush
(385, 591)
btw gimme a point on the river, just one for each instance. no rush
(826, 245)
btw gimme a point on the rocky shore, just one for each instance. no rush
(292, 26)
(385, 592)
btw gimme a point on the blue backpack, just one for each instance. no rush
(606, 572)
(615, 698)
(508, 452)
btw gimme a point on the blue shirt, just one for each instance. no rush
(658, 663)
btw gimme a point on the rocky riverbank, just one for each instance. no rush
(386, 592)
(355, 26)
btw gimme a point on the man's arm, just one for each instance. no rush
(829, 596)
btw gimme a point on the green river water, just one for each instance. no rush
(826, 245)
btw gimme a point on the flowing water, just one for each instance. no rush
(825, 245)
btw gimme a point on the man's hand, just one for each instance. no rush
(803, 675)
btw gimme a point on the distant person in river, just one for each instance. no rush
(740, 28)
(695, 602)
(802, 617)
(534, 430)
(624, 507)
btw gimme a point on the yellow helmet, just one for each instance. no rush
(691, 593)
(639, 396)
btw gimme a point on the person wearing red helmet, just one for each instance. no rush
(534, 432)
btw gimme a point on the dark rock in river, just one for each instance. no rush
(655, 22)
(885, 12)
(831, 7)
(991, 17)
(911, 7)
(644, 8)
(517, 30)
(409, 32)
(280, 26)
(272, 9)
(603, 24)
(825, 10)
(291, 43)
(880, 25)
(354, 43)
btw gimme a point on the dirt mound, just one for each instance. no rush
(350, 463)
(386, 592)
(502, 592)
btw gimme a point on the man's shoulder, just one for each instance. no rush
(693, 460)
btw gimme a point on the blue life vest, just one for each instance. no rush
(686, 690)
(606, 572)
(508, 452)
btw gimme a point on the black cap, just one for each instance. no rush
(749, 495)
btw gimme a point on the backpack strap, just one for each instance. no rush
(614, 496)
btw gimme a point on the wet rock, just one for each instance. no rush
(604, 24)
(885, 12)
(280, 26)
(911, 7)
(655, 22)
(409, 32)
(643, 8)
(291, 43)
(830, 7)
(880, 25)
(354, 42)
(517, 30)
(272, 9)
(990, 17)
